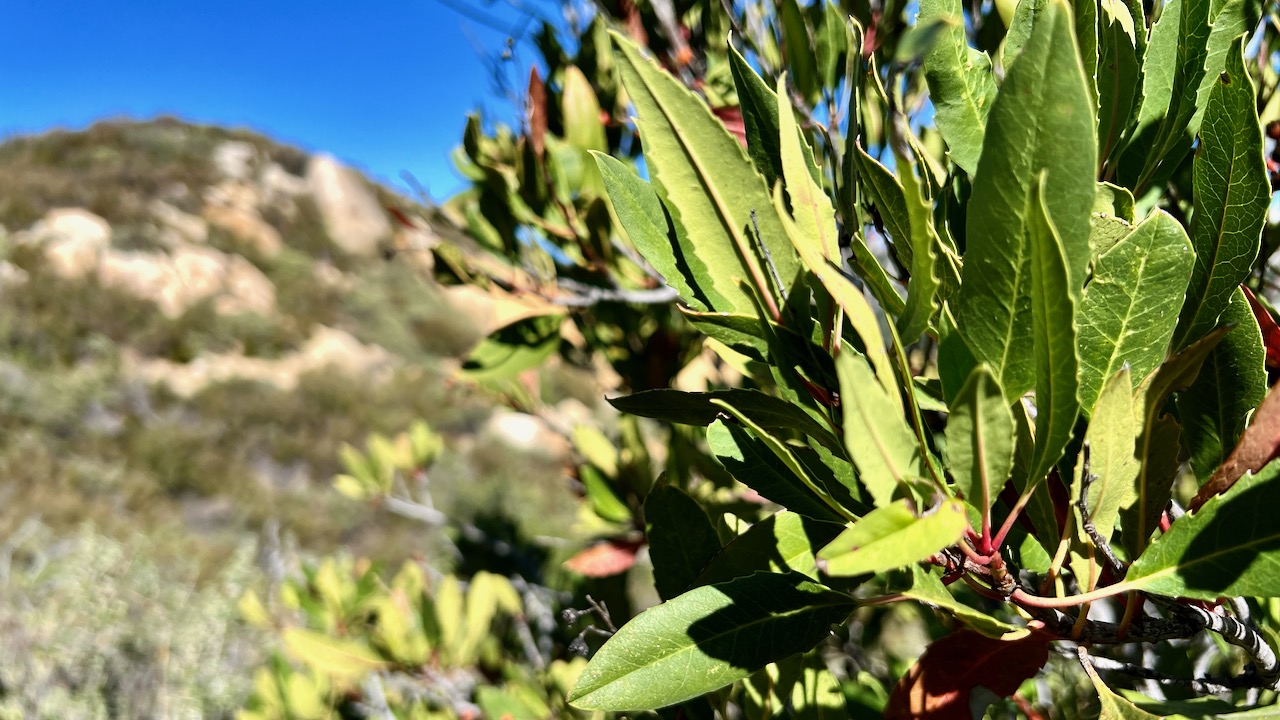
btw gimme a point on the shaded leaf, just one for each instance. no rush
(1127, 314)
(1158, 446)
(891, 537)
(922, 289)
(760, 115)
(1115, 707)
(1231, 193)
(940, 684)
(751, 462)
(698, 408)
(682, 539)
(980, 440)
(706, 639)
(1213, 412)
(1119, 73)
(1230, 547)
(1042, 120)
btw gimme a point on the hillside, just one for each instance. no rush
(196, 319)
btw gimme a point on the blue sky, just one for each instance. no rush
(384, 85)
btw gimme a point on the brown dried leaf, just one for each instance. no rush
(536, 113)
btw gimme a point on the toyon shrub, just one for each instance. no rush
(1010, 369)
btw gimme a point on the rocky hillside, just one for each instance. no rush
(195, 319)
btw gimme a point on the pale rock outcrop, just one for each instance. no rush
(234, 159)
(279, 184)
(247, 226)
(326, 348)
(354, 220)
(525, 433)
(188, 275)
(73, 238)
(178, 227)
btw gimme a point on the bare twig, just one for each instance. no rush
(1205, 685)
(768, 257)
(1100, 543)
(588, 295)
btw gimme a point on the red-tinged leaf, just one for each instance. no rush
(1259, 445)
(634, 22)
(536, 113)
(605, 559)
(733, 122)
(939, 685)
(1270, 330)
(398, 215)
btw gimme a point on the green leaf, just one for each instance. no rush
(601, 496)
(856, 308)
(1158, 446)
(922, 289)
(681, 538)
(1231, 193)
(814, 215)
(698, 408)
(885, 193)
(513, 349)
(879, 442)
(1230, 547)
(1112, 437)
(782, 542)
(1232, 382)
(1229, 20)
(1116, 707)
(345, 659)
(581, 112)
(1119, 74)
(706, 639)
(1042, 120)
(797, 47)
(980, 439)
(1179, 40)
(751, 462)
(1112, 217)
(787, 454)
(1126, 315)
(1026, 15)
(760, 118)
(1053, 311)
(928, 589)
(641, 217)
(961, 85)
(892, 537)
(707, 183)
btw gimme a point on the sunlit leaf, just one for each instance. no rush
(782, 542)
(707, 183)
(1042, 120)
(707, 638)
(1231, 192)
(1128, 314)
(879, 442)
(891, 537)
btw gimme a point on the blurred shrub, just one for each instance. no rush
(94, 628)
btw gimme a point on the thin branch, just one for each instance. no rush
(1206, 685)
(1100, 543)
(588, 295)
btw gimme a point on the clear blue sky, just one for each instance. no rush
(384, 85)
